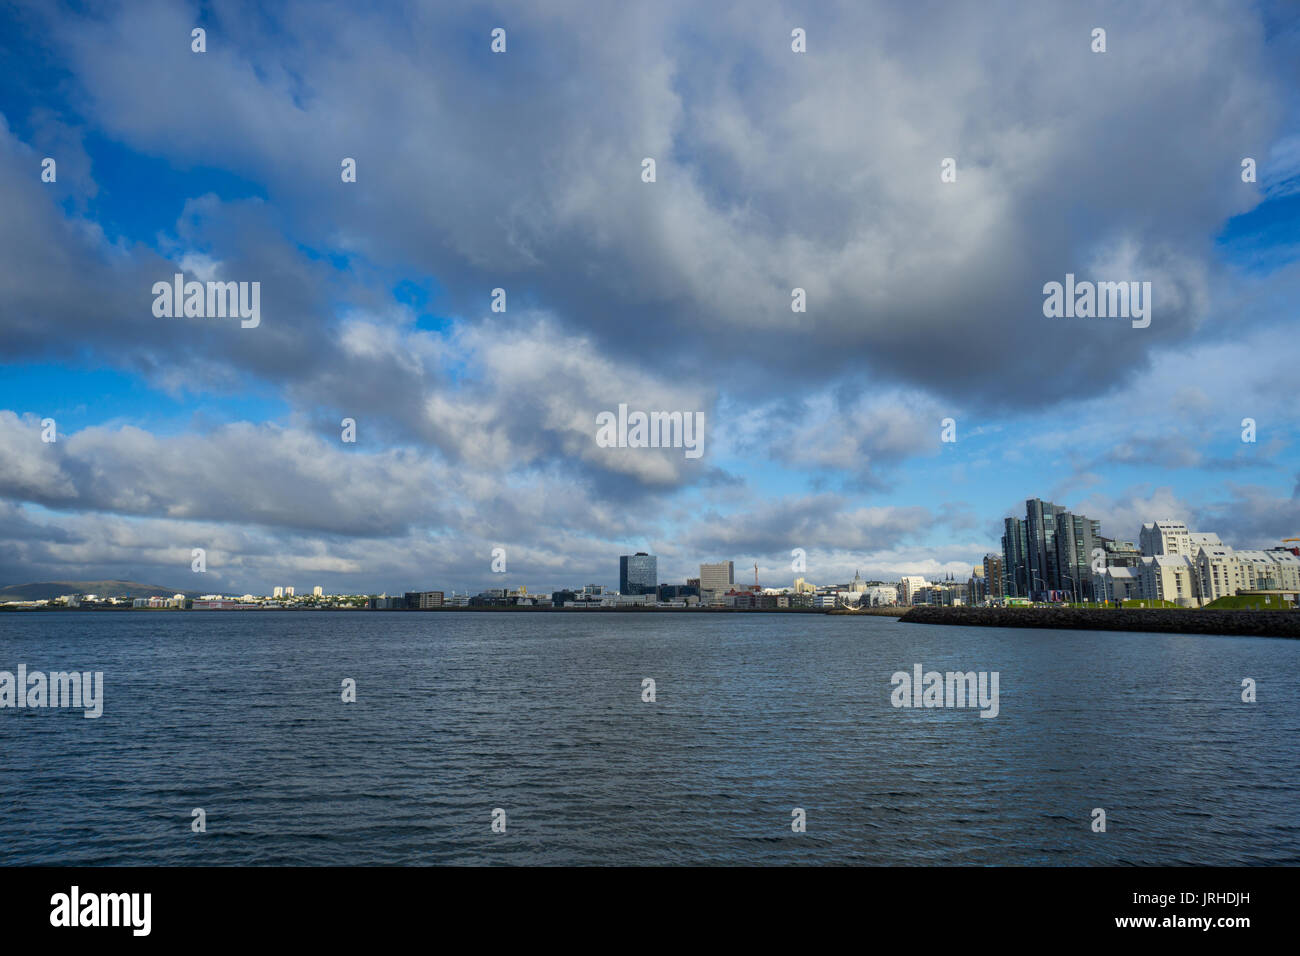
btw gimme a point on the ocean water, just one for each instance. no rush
(541, 715)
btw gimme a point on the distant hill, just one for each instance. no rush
(53, 589)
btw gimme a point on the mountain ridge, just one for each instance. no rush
(46, 590)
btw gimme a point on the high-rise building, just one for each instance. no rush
(1015, 558)
(993, 582)
(717, 577)
(317, 591)
(1076, 536)
(279, 592)
(1051, 550)
(638, 573)
(1040, 529)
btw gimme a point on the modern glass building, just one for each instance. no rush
(1051, 550)
(638, 573)
(1015, 559)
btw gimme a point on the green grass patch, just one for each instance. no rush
(1251, 602)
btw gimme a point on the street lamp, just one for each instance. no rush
(1073, 586)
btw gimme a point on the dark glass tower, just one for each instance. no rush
(638, 573)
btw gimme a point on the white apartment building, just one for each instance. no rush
(1169, 577)
(1195, 568)
(1269, 570)
(908, 586)
(1117, 584)
(1165, 537)
(1219, 570)
(1288, 569)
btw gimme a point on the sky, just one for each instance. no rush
(523, 170)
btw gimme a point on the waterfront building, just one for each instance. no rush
(423, 600)
(1219, 572)
(678, 592)
(1271, 570)
(1015, 558)
(1121, 554)
(908, 586)
(638, 573)
(1169, 577)
(994, 584)
(1165, 537)
(1049, 552)
(880, 595)
(718, 577)
(1117, 583)
(1076, 536)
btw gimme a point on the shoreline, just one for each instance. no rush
(1231, 623)
(510, 609)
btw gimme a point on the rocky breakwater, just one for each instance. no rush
(1169, 620)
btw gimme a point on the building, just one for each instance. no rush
(908, 586)
(278, 592)
(1219, 572)
(288, 592)
(317, 591)
(1273, 570)
(939, 595)
(638, 573)
(880, 595)
(1169, 577)
(1165, 537)
(1015, 558)
(423, 600)
(717, 577)
(1118, 583)
(1076, 536)
(994, 585)
(678, 592)
(1049, 553)
(1121, 554)
(1040, 530)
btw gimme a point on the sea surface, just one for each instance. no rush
(541, 715)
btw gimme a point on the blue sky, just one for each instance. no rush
(522, 170)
